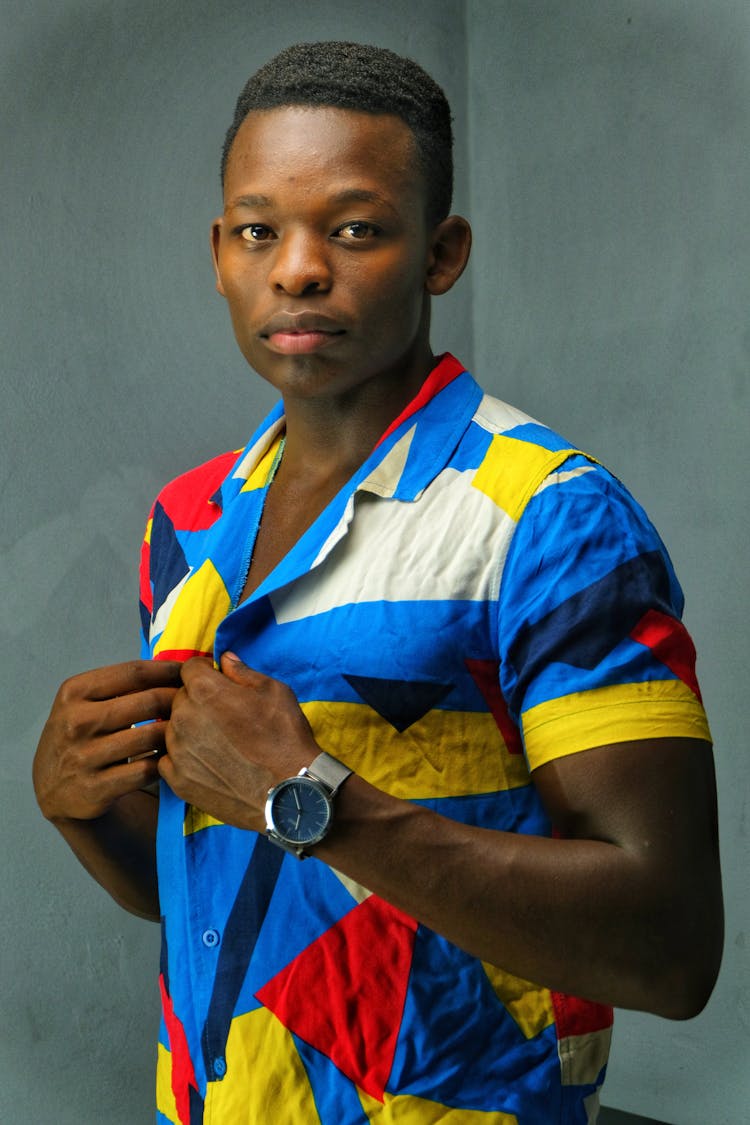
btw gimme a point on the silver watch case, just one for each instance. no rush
(299, 810)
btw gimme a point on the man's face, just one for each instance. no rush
(323, 250)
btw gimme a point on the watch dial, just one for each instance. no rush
(301, 811)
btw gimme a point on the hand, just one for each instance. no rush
(232, 735)
(82, 766)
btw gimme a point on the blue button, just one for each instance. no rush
(210, 938)
(220, 1066)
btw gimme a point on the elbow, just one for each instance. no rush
(683, 985)
(686, 996)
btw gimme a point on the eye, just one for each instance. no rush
(357, 231)
(256, 232)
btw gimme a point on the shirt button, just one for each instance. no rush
(220, 1066)
(210, 938)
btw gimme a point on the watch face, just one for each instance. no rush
(299, 811)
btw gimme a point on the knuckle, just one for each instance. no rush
(78, 762)
(132, 673)
(180, 723)
(68, 692)
(149, 738)
(152, 704)
(70, 730)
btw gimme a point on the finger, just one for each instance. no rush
(106, 717)
(147, 740)
(136, 742)
(121, 679)
(126, 778)
(239, 672)
(201, 680)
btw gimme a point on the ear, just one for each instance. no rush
(450, 246)
(216, 228)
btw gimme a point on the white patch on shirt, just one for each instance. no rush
(497, 417)
(450, 544)
(561, 478)
(159, 623)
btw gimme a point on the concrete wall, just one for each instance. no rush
(607, 192)
(119, 370)
(610, 156)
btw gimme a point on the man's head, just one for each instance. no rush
(366, 79)
(334, 234)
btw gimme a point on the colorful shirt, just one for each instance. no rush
(479, 599)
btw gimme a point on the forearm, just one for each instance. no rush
(624, 907)
(118, 849)
(580, 916)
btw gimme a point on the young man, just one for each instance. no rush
(414, 635)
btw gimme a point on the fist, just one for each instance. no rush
(90, 753)
(232, 734)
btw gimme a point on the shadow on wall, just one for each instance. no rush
(617, 1117)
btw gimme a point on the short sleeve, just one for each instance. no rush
(180, 517)
(593, 650)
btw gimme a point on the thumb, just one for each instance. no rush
(234, 669)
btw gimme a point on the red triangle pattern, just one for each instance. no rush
(448, 368)
(183, 1074)
(670, 643)
(574, 1016)
(188, 500)
(485, 676)
(180, 654)
(345, 993)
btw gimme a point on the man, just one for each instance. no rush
(411, 634)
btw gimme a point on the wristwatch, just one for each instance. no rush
(299, 810)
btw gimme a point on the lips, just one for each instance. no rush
(300, 333)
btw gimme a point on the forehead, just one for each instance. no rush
(323, 149)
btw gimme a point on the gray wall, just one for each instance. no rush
(610, 194)
(119, 370)
(609, 181)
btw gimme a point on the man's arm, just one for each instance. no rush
(625, 910)
(92, 765)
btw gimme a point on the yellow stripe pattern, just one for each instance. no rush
(258, 478)
(529, 1005)
(607, 715)
(269, 1082)
(444, 754)
(202, 604)
(405, 1109)
(165, 1102)
(512, 470)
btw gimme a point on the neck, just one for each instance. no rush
(336, 434)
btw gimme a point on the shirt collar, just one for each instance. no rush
(411, 452)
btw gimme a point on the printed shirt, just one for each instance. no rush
(479, 599)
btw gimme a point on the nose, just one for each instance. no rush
(300, 264)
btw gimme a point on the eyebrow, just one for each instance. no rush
(359, 195)
(348, 195)
(250, 201)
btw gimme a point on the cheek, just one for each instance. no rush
(241, 301)
(396, 296)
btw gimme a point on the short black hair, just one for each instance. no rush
(366, 79)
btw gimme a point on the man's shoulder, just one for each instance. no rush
(186, 498)
(501, 419)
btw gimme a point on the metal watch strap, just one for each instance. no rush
(328, 770)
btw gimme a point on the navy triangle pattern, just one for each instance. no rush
(399, 702)
(170, 565)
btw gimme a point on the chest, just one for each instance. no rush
(396, 590)
(290, 508)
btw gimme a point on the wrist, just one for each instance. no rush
(300, 810)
